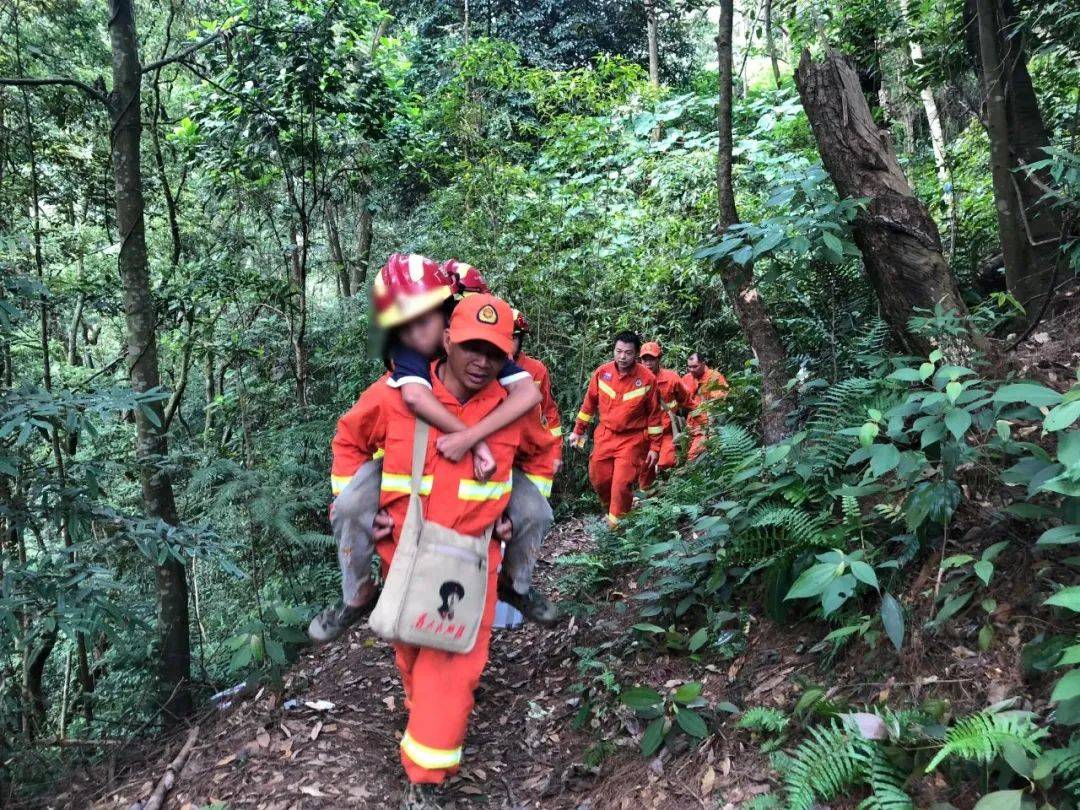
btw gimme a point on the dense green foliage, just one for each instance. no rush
(532, 145)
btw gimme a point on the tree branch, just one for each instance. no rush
(180, 56)
(26, 81)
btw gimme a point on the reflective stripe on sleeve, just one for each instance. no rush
(434, 759)
(584, 417)
(556, 431)
(469, 489)
(637, 392)
(612, 520)
(543, 484)
(395, 482)
(378, 454)
(655, 430)
(607, 389)
(338, 483)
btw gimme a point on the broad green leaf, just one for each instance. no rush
(641, 697)
(864, 573)
(1068, 687)
(906, 375)
(697, 641)
(813, 581)
(1060, 535)
(691, 722)
(1031, 393)
(1066, 598)
(926, 371)
(958, 421)
(1062, 416)
(984, 569)
(653, 737)
(688, 692)
(884, 458)
(892, 617)
(1001, 800)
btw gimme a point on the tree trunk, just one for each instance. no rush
(770, 42)
(933, 117)
(654, 48)
(151, 447)
(365, 230)
(899, 241)
(1028, 227)
(337, 255)
(738, 280)
(73, 358)
(298, 283)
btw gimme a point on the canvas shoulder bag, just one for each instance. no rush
(436, 588)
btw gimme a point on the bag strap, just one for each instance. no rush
(419, 454)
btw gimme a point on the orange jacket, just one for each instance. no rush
(360, 435)
(450, 494)
(538, 452)
(542, 378)
(673, 394)
(712, 385)
(623, 402)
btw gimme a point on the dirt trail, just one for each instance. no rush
(306, 753)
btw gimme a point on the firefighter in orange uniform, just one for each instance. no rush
(673, 398)
(705, 385)
(548, 407)
(622, 396)
(439, 685)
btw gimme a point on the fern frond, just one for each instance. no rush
(774, 530)
(828, 762)
(981, 737)
(886, 783)
(1068, 769)
(763, 718)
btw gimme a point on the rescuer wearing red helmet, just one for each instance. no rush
(623, 395)
(467, 280)
(673, 398)
(413, 297)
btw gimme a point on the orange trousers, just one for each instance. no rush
(668, 460)
(439, 690)
(697, 425)
(615, 466)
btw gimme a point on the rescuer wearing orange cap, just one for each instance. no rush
(673, 398)
(412, 297)
(439, 685)
(705, 385)
(622, 397)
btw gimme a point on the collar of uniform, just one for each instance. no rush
(492, 391)
(624, 374)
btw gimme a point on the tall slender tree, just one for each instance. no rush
(738, 280)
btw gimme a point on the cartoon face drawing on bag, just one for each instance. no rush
(451, 592)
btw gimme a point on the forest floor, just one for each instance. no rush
(331, 738)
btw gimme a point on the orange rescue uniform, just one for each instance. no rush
(548, 407)
(359, 437)
(712, 385)
(673, 397)
(439, 685)
(627, 406)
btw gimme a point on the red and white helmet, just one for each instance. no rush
(408, 286)
(521, 323)
(467, 279)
